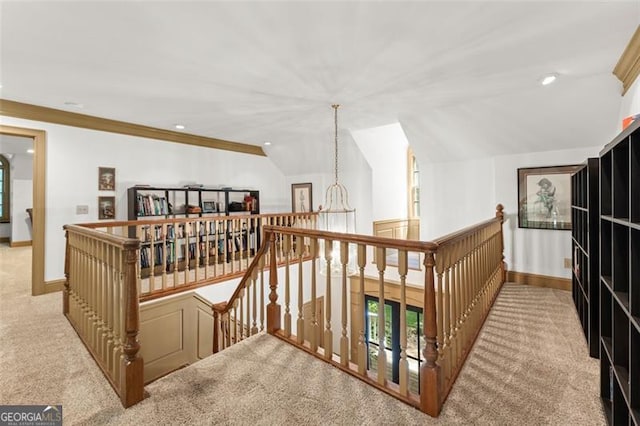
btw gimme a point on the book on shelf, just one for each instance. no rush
(151, 205)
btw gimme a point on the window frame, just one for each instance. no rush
(413, 186)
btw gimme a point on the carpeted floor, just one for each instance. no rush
(529, 367)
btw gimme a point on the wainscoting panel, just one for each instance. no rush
(167, 335)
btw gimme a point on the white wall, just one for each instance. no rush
(536, 251)
(455, 195)
(460, 194)
(385, 149)
(630, 103)
(21, 196)
(74, 155)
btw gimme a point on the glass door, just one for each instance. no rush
(415, 339)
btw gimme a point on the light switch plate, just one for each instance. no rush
(82, 209)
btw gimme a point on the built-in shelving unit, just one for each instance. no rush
(585, 231)
(620, 277)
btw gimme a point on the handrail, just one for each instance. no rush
(116, 240)
(243, 282)
(464, 232)
(116, 224)
(391, 243)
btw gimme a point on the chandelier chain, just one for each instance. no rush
(335, 121)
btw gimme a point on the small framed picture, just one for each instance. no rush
(106, 208)
(106, 179)
(301, 198)
(209, 207)
(544, 197)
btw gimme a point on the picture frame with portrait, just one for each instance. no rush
(301, 197)
(106, 179)
(544, 197)
(106, 208)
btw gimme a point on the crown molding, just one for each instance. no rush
(628, 67)
(50, 115)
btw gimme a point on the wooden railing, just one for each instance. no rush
(182, 254)
(462, 275)
(100, 299)
(107, 277)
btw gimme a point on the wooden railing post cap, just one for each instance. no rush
(500, 211)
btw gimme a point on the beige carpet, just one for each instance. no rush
(530, 366)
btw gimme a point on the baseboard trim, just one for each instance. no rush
(13, 244)
(54, 285)
(5, 240)
(539, 280)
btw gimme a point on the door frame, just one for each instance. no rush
(38, 284)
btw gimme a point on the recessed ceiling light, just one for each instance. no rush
(548, 79)
(267, 143)
(74, 104)
(30, 151)
(180, 126)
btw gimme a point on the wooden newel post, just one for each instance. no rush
(65, 291)
(430, 371)
(132, 369)
(273, 309)
(500, 215)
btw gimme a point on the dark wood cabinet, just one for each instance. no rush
(585, 244)
(620, 277)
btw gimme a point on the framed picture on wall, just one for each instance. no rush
(301, 198)
(106, 208)
(106, 179)
(544, 197)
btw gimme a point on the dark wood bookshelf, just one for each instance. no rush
(620, 277)
(222, 244)
(152, 201)
(585, 231)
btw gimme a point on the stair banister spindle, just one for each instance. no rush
(261, 263)
(404, 364)
(164, 255)
(362, 320)
(300, 322)
(344, 340)
(328, 334)
(254, 281)
(313, 339)
(287, 279)
(381, 262)
(273, 308)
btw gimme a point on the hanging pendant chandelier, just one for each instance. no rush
(337, 215)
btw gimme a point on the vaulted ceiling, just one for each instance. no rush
(462, 78)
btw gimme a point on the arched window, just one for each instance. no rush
(4, 189)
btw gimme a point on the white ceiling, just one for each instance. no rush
(462, 78)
